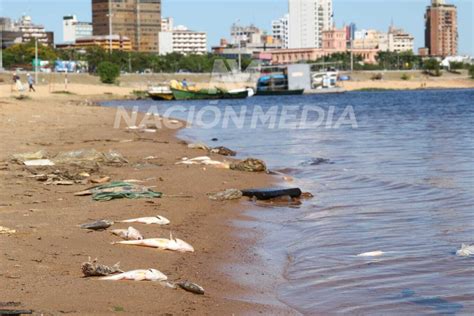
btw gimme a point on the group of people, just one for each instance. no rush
(19, 85)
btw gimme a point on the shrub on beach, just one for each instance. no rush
(432, 67)
(405, 77)
(471, 71)
(108, 72)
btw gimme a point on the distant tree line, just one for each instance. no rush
(22, 55)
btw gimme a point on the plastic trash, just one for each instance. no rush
(21, 158)
(465, 251)
(272, 193)
(120, 190)
(38, 163)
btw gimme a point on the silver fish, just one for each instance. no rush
(191, 287)
(98, 225)
(128, 234)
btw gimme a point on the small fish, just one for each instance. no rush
(191, 287)
(161, 243)
(94, 269)
(128, 234)
(138, 275)
(465, 251)
(99, 225)
(159, 220)
(371, 254)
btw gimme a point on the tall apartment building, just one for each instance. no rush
(138, 20)
(281, 30)
(441, 29)
(308, 20)
(74, 29)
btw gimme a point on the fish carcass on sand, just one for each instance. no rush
(128, 234)
(99, 225)
(465, 251)
(161, 243)
(94, 269)
(159, 220)
(138, 275)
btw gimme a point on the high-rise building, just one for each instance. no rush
(441, 29)
(73, 29)
(167, 24)
(139, 20)
(281, 31)
(308, 20)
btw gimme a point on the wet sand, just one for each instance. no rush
(40, 265)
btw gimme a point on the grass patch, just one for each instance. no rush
(140, 94)
(63, 92)
(119, 309)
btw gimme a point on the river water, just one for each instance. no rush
(401, 181)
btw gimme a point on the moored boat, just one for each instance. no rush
(191, 93)
(161, 93)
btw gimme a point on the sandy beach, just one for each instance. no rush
(41, 262)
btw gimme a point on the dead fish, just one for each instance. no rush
(250, 165)
(138, 275)
(191, 287)
(465, 251)
(128, 234)
(99, 225)
(161, 243)
(230, 194)
(223, 151)
(159, 220)
(371, 254)
(94, 269)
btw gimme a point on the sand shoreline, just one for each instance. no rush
(41, 262)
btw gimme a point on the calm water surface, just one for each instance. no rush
(402, 183)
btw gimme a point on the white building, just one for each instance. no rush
(30, 31)
(308, 19)
(400, 41)
(183, 41)
(281, 31)
(167, 24)
(73, 29)
(370, 39)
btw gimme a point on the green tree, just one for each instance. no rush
(108, 72)
(432, 67)
(471, 71)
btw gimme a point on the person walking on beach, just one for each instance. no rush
(31, 82)
(17, 83)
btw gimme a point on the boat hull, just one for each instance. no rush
(161, 96)
(200, 95)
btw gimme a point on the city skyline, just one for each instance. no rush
(369, 15)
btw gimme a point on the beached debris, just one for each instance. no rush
(119, 190)
(138, 275)
(272, 193)
(465, 251)
(316, 162)
(249, 165)
(94, 269)
(199, 146)
(128, 234)
(100, 180)
(16, 312)
(191, 287)
(173, 244)
(97, 225)
(372, 254)
(59, 177)
(223, 151)
(83, 156)
(158, 220)
(204, 160)
(38, 163)
(6, 231)
(21, 158)
(229, 194)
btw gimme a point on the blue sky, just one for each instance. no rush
(216, 16)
